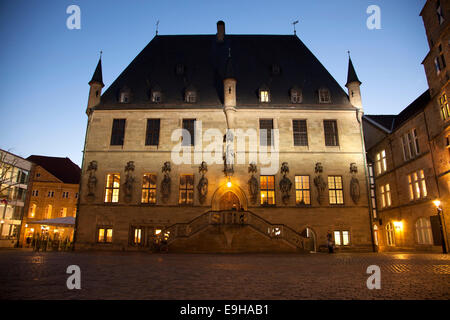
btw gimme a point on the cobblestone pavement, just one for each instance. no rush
(124, 275)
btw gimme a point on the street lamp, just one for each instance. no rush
(437, 203)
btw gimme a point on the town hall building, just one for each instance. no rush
(224, 143)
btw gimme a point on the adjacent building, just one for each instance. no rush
(52, 206)
(14, 187)
(409, 154)
(224, 143)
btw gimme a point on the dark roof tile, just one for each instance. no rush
(62, 168)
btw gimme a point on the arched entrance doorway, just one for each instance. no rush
(229, 201)
(225, 197)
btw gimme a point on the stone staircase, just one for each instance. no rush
(235, 218)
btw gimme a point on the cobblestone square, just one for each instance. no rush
(125, 275)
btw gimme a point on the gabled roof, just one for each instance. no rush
(62, 168)
(393, 122)
(205, 59)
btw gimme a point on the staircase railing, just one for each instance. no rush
(275, 231)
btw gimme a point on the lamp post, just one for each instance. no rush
(437, 203)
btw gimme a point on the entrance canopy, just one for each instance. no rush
(60, 222)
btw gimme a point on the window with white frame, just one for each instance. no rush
(410, 145)
(423, 231)
(324, 96)
(417, 185)
(380, 161)
(264, 95)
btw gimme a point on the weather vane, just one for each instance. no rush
(294, 23)
(157, 25)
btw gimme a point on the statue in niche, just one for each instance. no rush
(253, 185)
(285, 183)
(202, 186)
(165, 183)
(355, 190)
(228, 157)
(92, 180)
(129, 180)
(320, 183)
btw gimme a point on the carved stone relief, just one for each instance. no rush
(202, 186)
(285, 183)
(166, 182)
(320, 183)
(253, 184)
(129, 180)
(355, 190)
(92, 180)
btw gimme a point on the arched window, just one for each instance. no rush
(390, 234)
(423, 231)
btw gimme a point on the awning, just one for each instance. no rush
(61, 222)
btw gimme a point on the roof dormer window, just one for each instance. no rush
(156, 96)
(179, 69)
(125, 95)
(324, 95)
(439, 12)
(191, 96)
(276, 70)
(264, 94)
(296, 95)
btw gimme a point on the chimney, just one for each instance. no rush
(220, 31)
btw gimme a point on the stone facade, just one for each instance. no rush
(206, 225)
(413, 211)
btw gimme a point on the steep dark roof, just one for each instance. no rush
(392, 122)
(98, 75)
(204, 61)
(62, 168)
(351, 75)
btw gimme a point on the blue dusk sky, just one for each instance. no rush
(45, 67)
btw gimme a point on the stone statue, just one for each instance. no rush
(92, 180)
(228, 154)
(285, 183)
(202, 186)
(165, 183)
(129, 180)
(253, 184)
(355, 191)
(320, 183)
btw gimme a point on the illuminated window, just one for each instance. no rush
(300, 132)
(267, 190)
(74, 214)
(105, 235)
(331, 133)
(263, 95)
(385, 196)
(443, 105)
(324, 96)
(112, 187)
(341, 238)
(417, 185)
(380, 161)
(137, 236)
(186, 189)
(390, 234)
(265, 132)
(302, 191)
(149, 188)
(373, 199)
(423, 231)
(32, 212)
(335, 190)
(63, 212)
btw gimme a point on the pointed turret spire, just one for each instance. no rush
(97, 76)
(351, 76)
